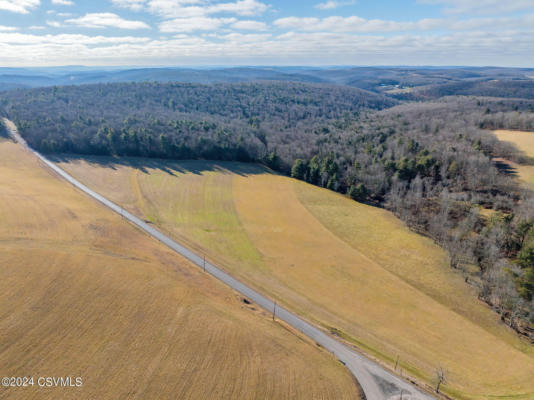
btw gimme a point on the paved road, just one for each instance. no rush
(376, 382)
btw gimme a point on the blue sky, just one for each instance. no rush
(266, 32)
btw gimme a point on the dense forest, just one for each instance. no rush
(429, 162)
(221, 122)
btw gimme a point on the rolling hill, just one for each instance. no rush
(85, 294)
(353, 269)
(429, 81)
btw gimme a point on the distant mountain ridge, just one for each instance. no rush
(408, 83)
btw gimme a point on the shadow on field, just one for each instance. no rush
(504, 167)
(172, 167)
(4, 136)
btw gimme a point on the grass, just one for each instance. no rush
(83, 293)
(524, 141)
(353, 269)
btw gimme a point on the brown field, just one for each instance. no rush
(353, 269)
(524, 141)
(85, 294)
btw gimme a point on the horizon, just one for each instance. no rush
(259, 66)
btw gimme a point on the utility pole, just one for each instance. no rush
(396, 363)
(274, 310)
(204, 258)
(402, 391)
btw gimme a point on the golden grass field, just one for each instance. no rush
(84, 293)
(354, 269)
(524, 141)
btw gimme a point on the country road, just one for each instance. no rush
(376, 382)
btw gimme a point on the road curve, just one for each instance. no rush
(376, 382)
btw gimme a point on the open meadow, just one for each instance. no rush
(85, 294)
(524, 141)
(353, 269)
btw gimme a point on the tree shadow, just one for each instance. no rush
(171, 167)
(4, 136)
(505, 167)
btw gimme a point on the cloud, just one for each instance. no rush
(482, 6)
(250, 25)
(332, 4)
(194, 24)
(63, 2)
(243, 39)
(240, 7)
(226, 32)
(176, 8)
(54, 24)
(194, 15)
(354, 24)
(197, 8)
(181, 12)
(291, 48)
(360, 25)
(19, 6)
(106, 20)
(66, 39)
(135, 5)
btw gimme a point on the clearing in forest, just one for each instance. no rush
(524, 141)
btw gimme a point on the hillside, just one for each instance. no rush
(504, 88)
(85, 294)
(186, 121)
(353, 269)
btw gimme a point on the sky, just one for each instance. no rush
(266, 32)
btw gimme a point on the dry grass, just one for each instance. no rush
(83, 293)
(353, 269)
(524, 141)
(487, 212)
(524, 173)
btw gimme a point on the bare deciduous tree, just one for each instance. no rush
(441, 377)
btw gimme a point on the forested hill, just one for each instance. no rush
(521, 89)
(220, 121)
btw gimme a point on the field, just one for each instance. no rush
(353, 269)
(85, 294)
(524, 141)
